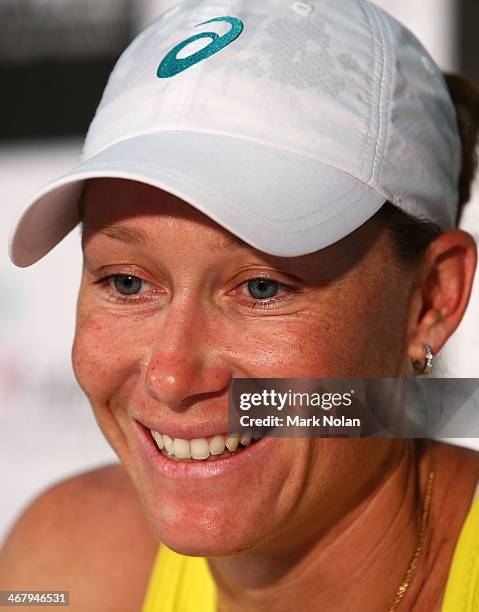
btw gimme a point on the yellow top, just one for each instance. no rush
(462, 591)
(180, 584)
(184, 584)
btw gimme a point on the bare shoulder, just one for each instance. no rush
(458, 471)
(452, 493)
(87, 535)
(459, 458)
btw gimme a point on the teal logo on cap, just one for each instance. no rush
(171, 65)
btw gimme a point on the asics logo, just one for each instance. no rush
(171, 64)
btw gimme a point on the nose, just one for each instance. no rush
(186, 362)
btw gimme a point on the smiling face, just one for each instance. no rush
(172, 306)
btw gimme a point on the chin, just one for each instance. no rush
(211, 530)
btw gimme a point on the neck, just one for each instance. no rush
(357, 561)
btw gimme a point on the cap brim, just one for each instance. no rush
(277, 201)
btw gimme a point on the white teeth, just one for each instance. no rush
(168, 444)
(158, 438)
(181, 448)
(217, 445)
(246, 438)
(232, 442)
(200, 448)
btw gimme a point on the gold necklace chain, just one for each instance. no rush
(408, 575)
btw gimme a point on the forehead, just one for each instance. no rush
(151, 213)
(135, 211)
(106, 201)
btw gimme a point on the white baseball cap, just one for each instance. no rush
(288, 123)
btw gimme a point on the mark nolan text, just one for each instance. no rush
(325, 420)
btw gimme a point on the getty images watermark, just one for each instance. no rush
(383, 407)
(279, 401)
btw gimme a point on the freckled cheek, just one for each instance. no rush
(103, 359)
(340, 339)
(297, 348)
(362, 336)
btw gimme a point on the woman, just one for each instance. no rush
(281, 201)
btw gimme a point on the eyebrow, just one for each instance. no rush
(137, 237)
(133, 236)
(228, 243)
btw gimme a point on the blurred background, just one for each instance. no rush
(55, 57)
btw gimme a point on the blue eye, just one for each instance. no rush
(262, 288)
(126, 285)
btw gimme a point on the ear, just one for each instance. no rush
(442, 293)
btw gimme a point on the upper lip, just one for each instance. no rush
(185, 432)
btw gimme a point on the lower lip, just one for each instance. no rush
(173, 468)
